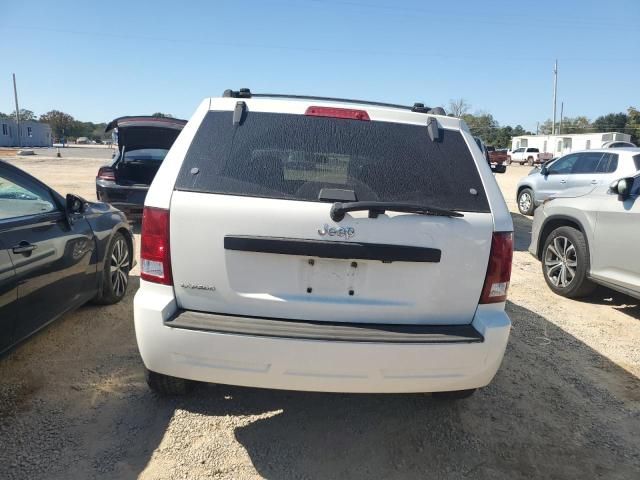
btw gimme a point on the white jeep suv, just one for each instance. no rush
(318, 244)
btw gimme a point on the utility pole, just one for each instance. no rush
(15, 95)
(555, 96)
(561, 116)
(537, 127)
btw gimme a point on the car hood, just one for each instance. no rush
(146, 132)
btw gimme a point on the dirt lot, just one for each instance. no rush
(565, 404)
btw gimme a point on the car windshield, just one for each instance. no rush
(145, 155)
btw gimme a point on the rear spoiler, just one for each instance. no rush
(146, 121)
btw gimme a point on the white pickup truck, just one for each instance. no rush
(528, 155)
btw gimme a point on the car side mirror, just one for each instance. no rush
(544, 170)
(498, 168)
(622, 187)
(75, 205)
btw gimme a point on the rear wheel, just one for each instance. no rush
(167, 385)
(508, 161)
(454, 395)
(525, 202)
(565, 263)
(530, 161)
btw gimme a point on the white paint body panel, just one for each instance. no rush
(275, 285)
(310, 365)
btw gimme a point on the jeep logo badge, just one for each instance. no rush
(344, 232)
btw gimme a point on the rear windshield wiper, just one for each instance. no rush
(376, 208)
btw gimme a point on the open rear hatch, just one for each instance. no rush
(143, 142)
(253, 233)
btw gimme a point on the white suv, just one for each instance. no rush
(318, 244)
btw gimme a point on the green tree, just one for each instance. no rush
(62, 124)
(612, 122)
(545, 127)
(162, 115)
(633, 124)
(482, 125)
(4, 115)
(575, 125)
(25, 115)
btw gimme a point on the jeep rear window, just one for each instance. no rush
(284, 156)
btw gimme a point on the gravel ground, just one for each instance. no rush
(565, 404)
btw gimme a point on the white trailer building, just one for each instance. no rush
(561, 144)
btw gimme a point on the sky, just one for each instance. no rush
(101, 60)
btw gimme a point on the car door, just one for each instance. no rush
(556, 177)
(52, 256)
(8, 297)
(517, 154)
(591, 168)
(615, 253)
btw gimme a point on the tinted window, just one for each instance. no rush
(563, 165)
(586, 162)
(608, 164)
(20, 197)
(294, 156)
(636, 160)
(145, 155)
(534, 150)
(635, 188)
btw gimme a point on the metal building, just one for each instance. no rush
(32, 134)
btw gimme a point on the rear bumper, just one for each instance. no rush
(315, 364)
(129, 199)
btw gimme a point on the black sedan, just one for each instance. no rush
(56, 254)
(143, 142)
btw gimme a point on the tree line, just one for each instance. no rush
(486, 127)
(481, 124)
(63, 125)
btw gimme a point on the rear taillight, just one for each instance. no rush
(106, 173)
(496, 283)
(155, 254)
(333, 112)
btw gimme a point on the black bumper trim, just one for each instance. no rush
(326, 331)
(332, 249)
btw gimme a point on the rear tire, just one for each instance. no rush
(166, 385)
(565, 263)
(530, 161)
(525, 201)
(508, 161)
(454, 395)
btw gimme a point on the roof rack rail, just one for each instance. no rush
(417, 107)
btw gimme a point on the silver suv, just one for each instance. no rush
(587, 236)
(577, 169)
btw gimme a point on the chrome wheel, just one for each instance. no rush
(525, 202)
(560, 262)
(119, 267)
